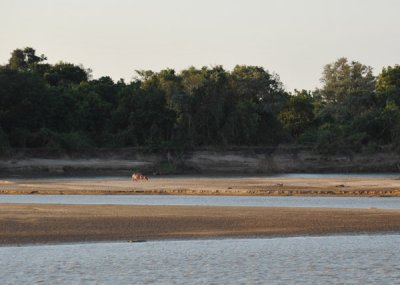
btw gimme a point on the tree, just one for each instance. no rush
(23, 59)
(342, 79)
(298, 114)
(66, 73)
(349, 90)
(388, 85)
(255, 84)
(206, 91)
(389, 79)
(24, 105)
(106, 88)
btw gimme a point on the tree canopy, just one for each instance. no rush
(60, 106)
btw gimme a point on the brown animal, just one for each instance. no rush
(139, 177)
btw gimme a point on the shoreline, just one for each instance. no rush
(54, 224)
(207, 238)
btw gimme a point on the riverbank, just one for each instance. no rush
(280, 159)
(43, 223)
(369, 186)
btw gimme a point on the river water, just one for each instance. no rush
(262, 201)
(360, 259)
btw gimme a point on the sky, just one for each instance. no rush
(293, 38)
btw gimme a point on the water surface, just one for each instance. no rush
(295, 260)
(191, 200)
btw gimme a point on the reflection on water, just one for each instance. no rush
(297, 260)
(334, 202)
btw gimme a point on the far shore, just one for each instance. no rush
(44, 223)
(368, 186)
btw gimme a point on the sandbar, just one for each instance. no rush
(189, 185)
(47, 223)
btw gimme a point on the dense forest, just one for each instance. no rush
(58, 106)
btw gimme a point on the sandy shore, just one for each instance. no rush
(184, 185)
(44, 223)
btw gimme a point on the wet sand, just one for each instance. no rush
(44, 223)
(184, 185)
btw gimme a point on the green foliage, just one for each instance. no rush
(59, 106)
(298, 114)
(66, 73)
(4, 143)
(74, 141)
(330, 138)
(25, 59)
(388, 85)
(389, 79)
(341, 79)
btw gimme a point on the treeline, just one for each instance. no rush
(59, 106)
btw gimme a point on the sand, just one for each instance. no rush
(44, 223)
(40, 223)
(184, 185)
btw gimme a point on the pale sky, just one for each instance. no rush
(294, 38)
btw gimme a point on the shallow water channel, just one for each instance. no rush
(262, 201)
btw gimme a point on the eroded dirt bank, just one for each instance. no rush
(250, 161)
(40, 223)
